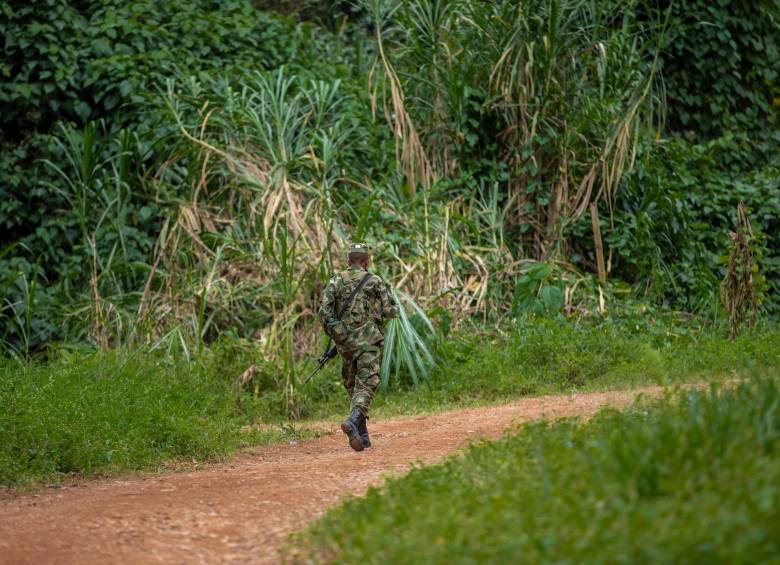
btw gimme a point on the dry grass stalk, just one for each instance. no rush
(598, 245)
(411, 156)
(739, 289)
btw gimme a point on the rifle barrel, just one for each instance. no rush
(317, 370)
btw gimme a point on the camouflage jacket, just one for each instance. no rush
(363, 323)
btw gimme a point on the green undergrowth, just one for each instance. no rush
(84, 414)
(544, 356)
(98, 414)
(692, 478)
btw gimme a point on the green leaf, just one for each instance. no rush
(83, 110)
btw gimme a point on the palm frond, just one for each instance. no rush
(407, 339)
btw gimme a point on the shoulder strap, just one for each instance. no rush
(351, 297)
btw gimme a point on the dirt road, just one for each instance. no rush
(243, 510)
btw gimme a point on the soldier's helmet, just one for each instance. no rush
(362, 248)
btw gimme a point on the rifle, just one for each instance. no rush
(330, 352)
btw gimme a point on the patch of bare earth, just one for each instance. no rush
(242, 511)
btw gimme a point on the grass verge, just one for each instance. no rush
(100, 414)
(692, 478)
(553, 356)
(104, 413)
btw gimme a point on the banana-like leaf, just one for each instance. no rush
(406, 350)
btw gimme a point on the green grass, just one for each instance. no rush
(694, 478)
(544, 356)
(106, 413)
(91, 414)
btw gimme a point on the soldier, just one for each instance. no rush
(359, 335)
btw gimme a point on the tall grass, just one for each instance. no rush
(477, 365)
(569, 83)
(102, 413)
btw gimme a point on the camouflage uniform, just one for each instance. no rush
(360, 334)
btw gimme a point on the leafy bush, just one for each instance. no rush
(675, 212)
(694, 477)
(720, 68)
(537, 291)
(86, 60)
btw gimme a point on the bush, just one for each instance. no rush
(720, 69)
(86, 60)
(693, 478)
(674, 214)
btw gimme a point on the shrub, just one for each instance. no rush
(673, 218)
(87, 60)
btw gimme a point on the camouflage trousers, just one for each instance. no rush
(360, 375)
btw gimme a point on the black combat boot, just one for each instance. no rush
(363, 431)
(350, 426)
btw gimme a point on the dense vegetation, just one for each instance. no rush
(692, 478)
(193, 166)
(109, 412)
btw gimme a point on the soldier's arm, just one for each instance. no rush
(328, 304)
(390, 306)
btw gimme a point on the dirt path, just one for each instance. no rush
(243, 510)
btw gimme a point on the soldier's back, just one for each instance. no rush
(364, 318)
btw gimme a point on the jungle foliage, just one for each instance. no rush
(82, 61)
(721, 70)
(177, 172)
